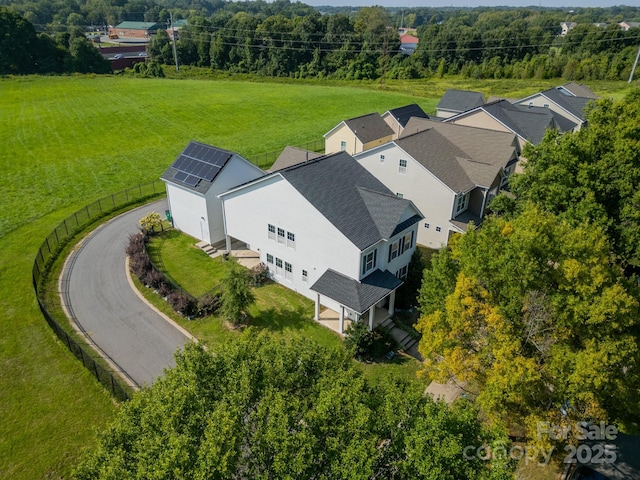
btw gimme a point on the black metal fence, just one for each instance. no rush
(49, 251)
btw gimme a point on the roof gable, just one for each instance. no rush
(572, 104)
(369, 128)
(292, 156)
(460, 100)
(345, 193)
(578, 90)
(404, 114)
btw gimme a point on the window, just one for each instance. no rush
(507, 172)
(406, 242)
(280, 235)
(546, 105)
(272, 232)
(462, 202)
(305, 276)
(369, 261)
(426, 225)
(402, 273)
(438, 229)
(288, 271)
(394, 250)
(291, 240)
(343, 146)
(278, 267)
(381, 158)
(269, 258)
(399, 195)
(402, 166)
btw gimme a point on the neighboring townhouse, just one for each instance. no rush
(397, 118)
(529, 123)
(577, 90)
(358, 134)
(563, 101)
(449, 172)
(292, 156)
(566, 26)
(330, 231)
(194, 180)
(458, 101)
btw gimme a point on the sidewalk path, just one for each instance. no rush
(97, 294)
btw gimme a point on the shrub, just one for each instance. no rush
(164, 289)
(362, 343)
(182, 303)
(154, 278)
(140, 265)
(208, 304)
(258, 275)
(150, 222)
(136, 244)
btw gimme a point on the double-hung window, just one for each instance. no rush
(272, 232)
(305, 276)
(343, 146)
(402, 166)
(394, 250)
(407, 242)
(402, 273)
(291, 240)
(279, 267)
(269, 259)
(288, 271)
(280, 235)
(369, 261)
(462, 202)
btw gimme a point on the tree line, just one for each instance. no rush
(288, 39)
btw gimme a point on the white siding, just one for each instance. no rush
(318, 244)
(188, 211)
(429, 194)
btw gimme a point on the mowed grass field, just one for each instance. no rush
(69, 140)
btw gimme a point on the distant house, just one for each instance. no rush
(457, 101)
(529, 123)
(135, 29)
(563, 100)
(358, 134)
(397, 118)
(408, 44)
(450, 172)
(566, 27)
(330, 231)
(194, 180)
(292, 156)
(177, 26)
(628, 25)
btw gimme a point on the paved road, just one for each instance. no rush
(137, 339)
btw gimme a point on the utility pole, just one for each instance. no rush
(173, 35)
(635, 64)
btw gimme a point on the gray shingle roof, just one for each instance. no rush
(292, 156)
(352, 199)
(460, 100)
(461, 157)
(579, 90)
(369, 127)
(574, 105)
(403, 114)
(358, 296)
(530, 123)
(198, 154)
(462, 220)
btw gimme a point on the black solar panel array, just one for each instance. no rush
(199, 162)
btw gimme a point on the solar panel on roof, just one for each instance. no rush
(192, 180)
(180, 176)
(199, 162)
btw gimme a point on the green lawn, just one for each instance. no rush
(67, 141)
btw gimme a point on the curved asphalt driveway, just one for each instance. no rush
(97, 293)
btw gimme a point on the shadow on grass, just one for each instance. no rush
(279, 320)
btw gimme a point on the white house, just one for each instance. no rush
(194, 180)
(450, 172)
(328, 229)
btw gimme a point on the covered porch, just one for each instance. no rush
(371, 300)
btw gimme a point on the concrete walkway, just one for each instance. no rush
(136, 339)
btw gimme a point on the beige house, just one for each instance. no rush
(397, 118)
(358, 134)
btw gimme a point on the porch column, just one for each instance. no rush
(372, 315)
(316, 315)
(392, 302)
(227, 239)
(341, 320)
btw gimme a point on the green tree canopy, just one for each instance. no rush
(266, 408)
(533, 314)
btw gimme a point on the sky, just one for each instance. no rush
(474, 3)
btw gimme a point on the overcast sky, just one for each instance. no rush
(475, 3)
